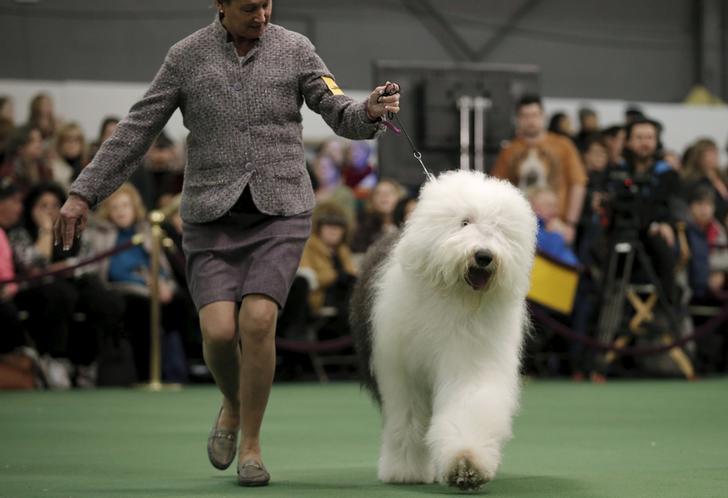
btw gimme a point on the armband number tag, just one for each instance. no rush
(332, 85)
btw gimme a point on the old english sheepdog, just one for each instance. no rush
(439, 316)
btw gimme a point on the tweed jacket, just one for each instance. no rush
(244, 121)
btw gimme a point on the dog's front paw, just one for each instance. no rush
(465, 475)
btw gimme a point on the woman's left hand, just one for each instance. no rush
(379, 104)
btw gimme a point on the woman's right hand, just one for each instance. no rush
(71, 221)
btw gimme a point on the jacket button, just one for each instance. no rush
(237, 86)
(248, 166)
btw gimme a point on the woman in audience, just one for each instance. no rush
(122, 216)
(108, 125)
(11, 209)
(560, 124)
(52, 305)
(403, 210)
(377, 218)
(702, 168)
(24, 161)
(328, 259)
(70, 154)
(7, 109)
(43, 117)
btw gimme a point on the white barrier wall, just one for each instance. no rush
(89, 102)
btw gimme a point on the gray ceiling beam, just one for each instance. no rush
(503, 31)
(440, 29)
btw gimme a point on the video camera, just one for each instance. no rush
(624, 202)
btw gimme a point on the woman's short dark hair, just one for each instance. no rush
(31, 198)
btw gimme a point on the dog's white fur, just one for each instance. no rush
(445, 356)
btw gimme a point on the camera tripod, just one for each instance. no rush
(618, 289)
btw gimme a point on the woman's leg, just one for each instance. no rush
(220, 347)
(258, 314)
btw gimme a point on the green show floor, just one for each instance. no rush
(623, 439)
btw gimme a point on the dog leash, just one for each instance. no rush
(393, 89)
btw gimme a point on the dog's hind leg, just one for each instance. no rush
(404, 457)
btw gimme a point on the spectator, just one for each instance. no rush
(24, 160)
(11, 208)
(701, 168)
(43, 117)
(633, 113)
(108, 125)
(560, 124)
(707, 273)
(70, 154)
(165, 167)
(550, 239)
(654, 186)
(327, 167)
(403, 210)
(358, 172)
(707, 239)
(614, 139)
(328, 257)
(377, 218)
(596, 159)
(50, 305)
(540, 158)
(7, 109)
(128, 271)
(588, 126)
(83, 291)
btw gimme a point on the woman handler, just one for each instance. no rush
(247, 199)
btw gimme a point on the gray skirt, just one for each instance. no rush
(243, 253)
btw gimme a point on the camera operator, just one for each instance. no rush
(640, 192)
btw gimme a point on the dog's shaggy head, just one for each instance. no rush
(470, 233)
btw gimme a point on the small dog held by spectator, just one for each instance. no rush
(439, 317)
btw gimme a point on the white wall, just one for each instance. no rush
(88, 102)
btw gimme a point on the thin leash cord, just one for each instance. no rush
(416, 153)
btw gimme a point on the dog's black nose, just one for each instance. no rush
(483, 258)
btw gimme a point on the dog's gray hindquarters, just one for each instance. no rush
(360, 314)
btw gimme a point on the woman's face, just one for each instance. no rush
(46, 208)
(7, 111)
(121, 210)
(33, 148)
(71, 146)
(246, 18)
(45, 107)
(384, 198)
(710, 160)
(331, 235)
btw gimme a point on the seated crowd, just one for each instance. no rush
(89, 325)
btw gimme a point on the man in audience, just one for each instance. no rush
(539, 158)
(654, 185)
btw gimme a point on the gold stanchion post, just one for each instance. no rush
(156, 218)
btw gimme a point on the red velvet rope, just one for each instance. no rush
(327, 346)
(67, 269)
(564, 331)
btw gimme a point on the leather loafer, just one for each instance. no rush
(221, 445)
(252, 473)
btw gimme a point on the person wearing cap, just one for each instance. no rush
(247, 199)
